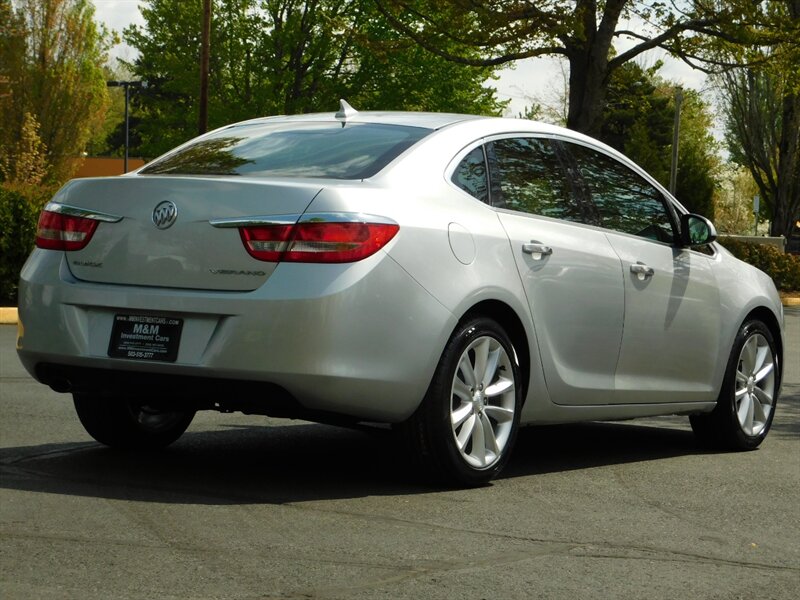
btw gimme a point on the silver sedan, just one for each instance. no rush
(452, 275)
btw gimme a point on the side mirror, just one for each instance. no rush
(696, 230)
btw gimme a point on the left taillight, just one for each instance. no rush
(58, 231)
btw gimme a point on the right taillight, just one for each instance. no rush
(317, 240)
(57, 231)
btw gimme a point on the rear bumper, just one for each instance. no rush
(359, 339)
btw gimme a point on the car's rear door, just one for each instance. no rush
(570, 272)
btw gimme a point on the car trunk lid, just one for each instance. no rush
(164, 237)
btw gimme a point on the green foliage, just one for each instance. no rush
(761, 107)
(638, 119)
(18, 216)
(52, 55)
(284, 57)
(783, 268)
(698, 162)
(24, 162)
(733, 202)
(584, 32)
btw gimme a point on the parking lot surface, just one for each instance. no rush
(249, 507)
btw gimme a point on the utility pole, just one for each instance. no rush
(676, 129)
(127, 85)
(205, 52)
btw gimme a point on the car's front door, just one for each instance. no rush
(670, 344)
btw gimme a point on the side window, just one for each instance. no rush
(624, 200)
(470, 175)
(533, 180)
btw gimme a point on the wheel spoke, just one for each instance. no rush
(761, 355)
(481, 360)
(465, 366)
(461, 414)
(462, 390)
(499, 413)
(762, 396)
(745, 414)
(749, 356)
(501, 386)
(479, 442)
(741, 377)
(491, 367)
(766, 370)
(740, 392)
(491, 440)
(759, 415)
(466, 432)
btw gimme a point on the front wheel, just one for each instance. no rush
(746, 404)
(465, 428)
(125, 423)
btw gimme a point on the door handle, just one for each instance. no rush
(537, 250)
(642, 271)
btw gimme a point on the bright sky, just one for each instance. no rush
(533, 80)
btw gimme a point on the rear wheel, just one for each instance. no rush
(124, 423)
(746, 404)
(465, 428)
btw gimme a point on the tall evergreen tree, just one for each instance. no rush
(638, 120)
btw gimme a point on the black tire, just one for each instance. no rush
(749, 395)
(124, 423)
(431, 433)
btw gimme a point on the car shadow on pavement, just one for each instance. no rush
(302, 462)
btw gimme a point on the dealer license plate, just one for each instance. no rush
(143, 337)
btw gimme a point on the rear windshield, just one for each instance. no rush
(281, 149)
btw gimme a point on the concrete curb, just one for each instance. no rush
(8, 314)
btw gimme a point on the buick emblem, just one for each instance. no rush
(164, 214)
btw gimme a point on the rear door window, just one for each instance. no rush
(532, 179)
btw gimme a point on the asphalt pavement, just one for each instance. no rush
(250, 507)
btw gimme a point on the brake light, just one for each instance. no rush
(317, 242)
(57, 231)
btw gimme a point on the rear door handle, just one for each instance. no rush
(642, 271)
(537, 250)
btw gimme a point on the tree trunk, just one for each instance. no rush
(587, 93)
(588, 55)
(787, 197)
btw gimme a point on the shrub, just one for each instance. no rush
(783, 268)
(18, 217)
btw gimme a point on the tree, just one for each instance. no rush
(638, 119)
(582, 31)
(286, 57)
(52, 56)
(762, 114)
(699, 165)
(734, 201)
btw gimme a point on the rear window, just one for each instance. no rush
(292, 149)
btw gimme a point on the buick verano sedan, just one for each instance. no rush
(454, 276)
